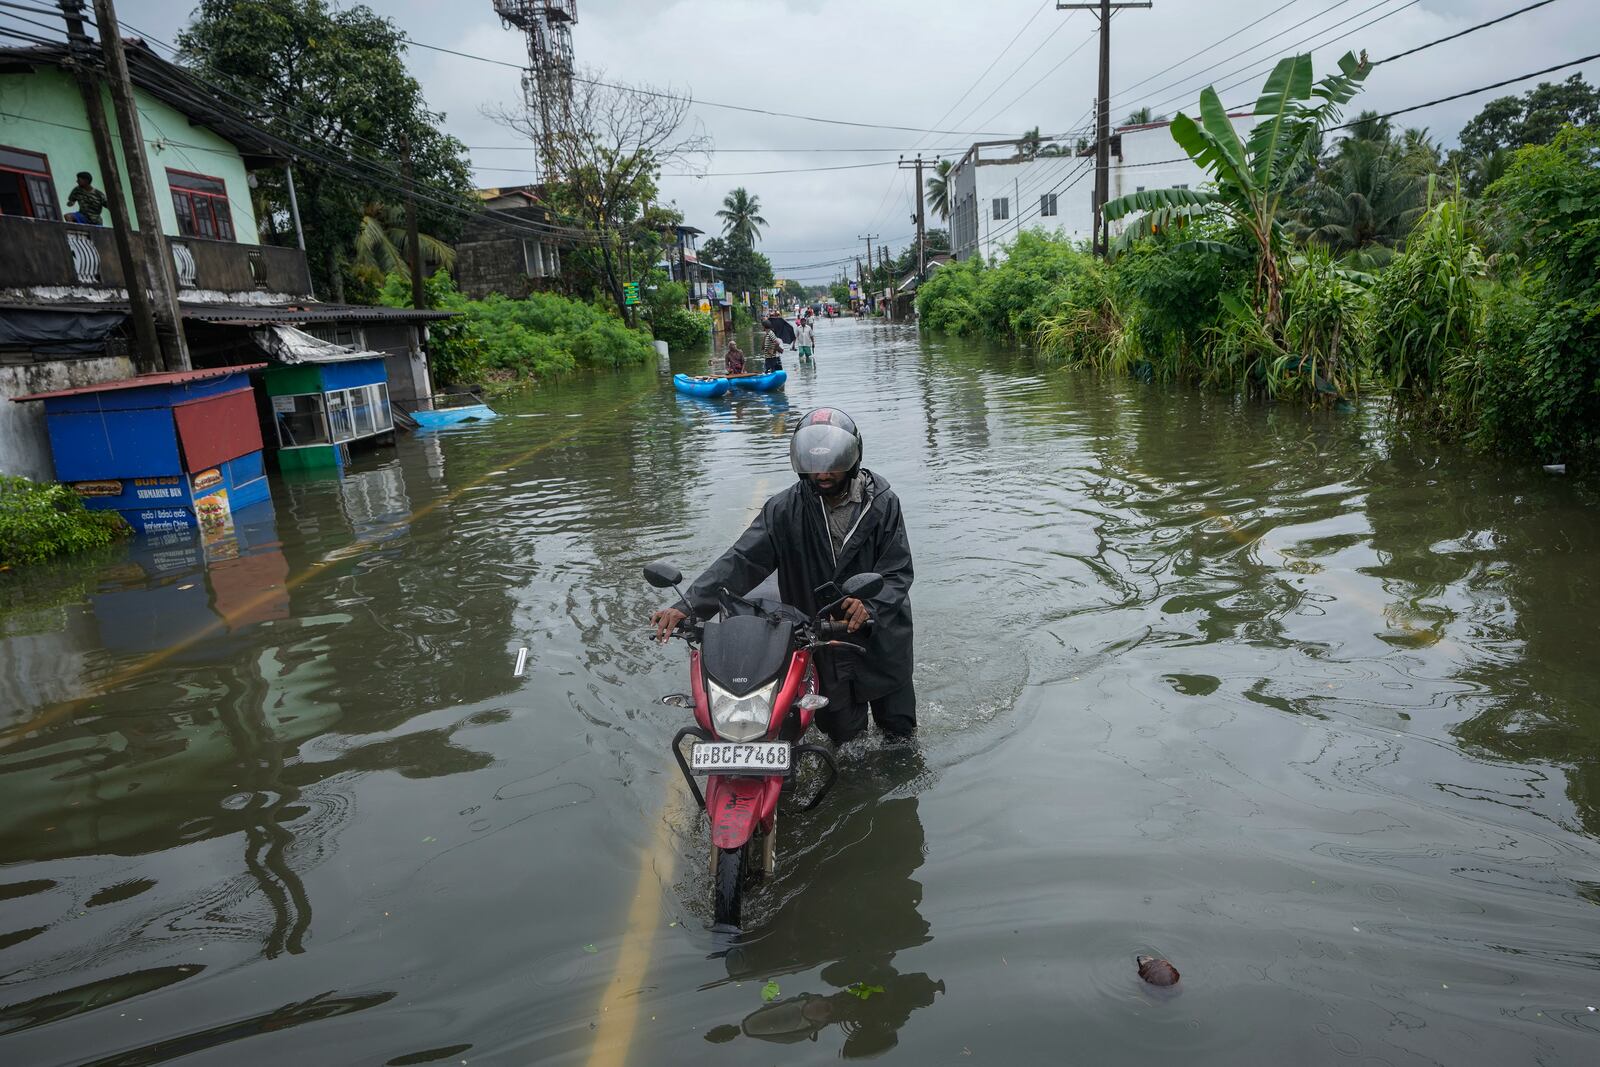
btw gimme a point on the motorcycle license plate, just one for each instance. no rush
(725, 757)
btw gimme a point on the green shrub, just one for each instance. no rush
(681, 328)
(1427, 307)
(40, 520)
(539, 336)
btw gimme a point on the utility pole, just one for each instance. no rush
(869, 238)
(419, 298)
(919, 218)
(158, 257)
(1102, 162)
(147, 348)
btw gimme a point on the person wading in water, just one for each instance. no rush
(837, 520)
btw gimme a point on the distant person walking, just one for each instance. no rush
(91, 201)
(806, 339)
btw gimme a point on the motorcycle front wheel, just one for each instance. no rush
(729, 876)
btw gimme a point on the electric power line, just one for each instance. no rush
(1463, 33)
(708, 103)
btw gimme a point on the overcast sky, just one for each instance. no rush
(926, 64)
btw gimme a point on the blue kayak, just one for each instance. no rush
(762, 383)
(699, 386)
(451, 416)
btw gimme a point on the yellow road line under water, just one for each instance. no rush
(12, 734)
(618, 1019)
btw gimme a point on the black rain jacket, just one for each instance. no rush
(791, 536)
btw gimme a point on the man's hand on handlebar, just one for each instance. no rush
(665, 621)
(855, 613)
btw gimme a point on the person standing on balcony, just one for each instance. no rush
(91, 201)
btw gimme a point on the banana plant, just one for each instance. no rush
(1249, 178)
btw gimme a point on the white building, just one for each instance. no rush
(995, 192)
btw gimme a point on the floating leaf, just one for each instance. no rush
(590, 948)
(769, 992)
(862, 990)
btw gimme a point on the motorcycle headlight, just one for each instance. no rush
(741, 718)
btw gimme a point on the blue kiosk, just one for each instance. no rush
(172, 451)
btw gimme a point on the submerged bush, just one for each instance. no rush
(681, 328)
(1427, 306)
(41, 520)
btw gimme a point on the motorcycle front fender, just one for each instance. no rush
(738, 805)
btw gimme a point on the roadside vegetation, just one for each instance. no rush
(42, 520)
(499, 339)
(1327, 260)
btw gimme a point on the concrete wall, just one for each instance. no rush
(56, 125)
(24, 444)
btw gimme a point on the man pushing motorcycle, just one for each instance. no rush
(838, 520)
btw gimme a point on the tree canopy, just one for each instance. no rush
(1510, 122)
(335, 81)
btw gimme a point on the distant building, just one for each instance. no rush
(513, 246)
(63, 299)
(996, 191)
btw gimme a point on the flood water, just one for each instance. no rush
(1303, 707)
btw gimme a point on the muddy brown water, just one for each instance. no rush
(1303, 707)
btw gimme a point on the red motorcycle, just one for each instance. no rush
(754, 695)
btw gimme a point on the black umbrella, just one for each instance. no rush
(780, 326)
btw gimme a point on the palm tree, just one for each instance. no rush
(1370, 198)
(1030, 143)
(938, 194)
(741, 219)
(1138, 117)
(381, 243)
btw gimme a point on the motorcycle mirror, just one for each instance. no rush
(864, 586)
(662, 574)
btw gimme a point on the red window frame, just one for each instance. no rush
(31, 192)
(201, 213)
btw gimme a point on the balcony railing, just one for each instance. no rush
(63, 255)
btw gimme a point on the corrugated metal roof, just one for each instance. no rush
(247, 315)
(176, 377)
(239, 315)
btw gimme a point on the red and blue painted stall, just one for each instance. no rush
(173, 451)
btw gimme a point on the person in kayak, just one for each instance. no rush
(836, 521)
(733, 359)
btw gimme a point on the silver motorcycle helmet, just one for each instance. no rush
(825, 442)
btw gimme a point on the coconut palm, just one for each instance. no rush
(1370, 198)
(741, 218)
(1030, 143)
(381, 243)
(938, 194)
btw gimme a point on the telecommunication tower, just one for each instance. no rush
(547, 83)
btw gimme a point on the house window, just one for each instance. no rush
(539, 259)
(25, 185)
(344, 336)
(1183, 185)
(1002, 207)
(1138, 188)
(201, 204)
(1047, 204)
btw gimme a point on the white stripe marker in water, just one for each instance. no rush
(522, 661)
